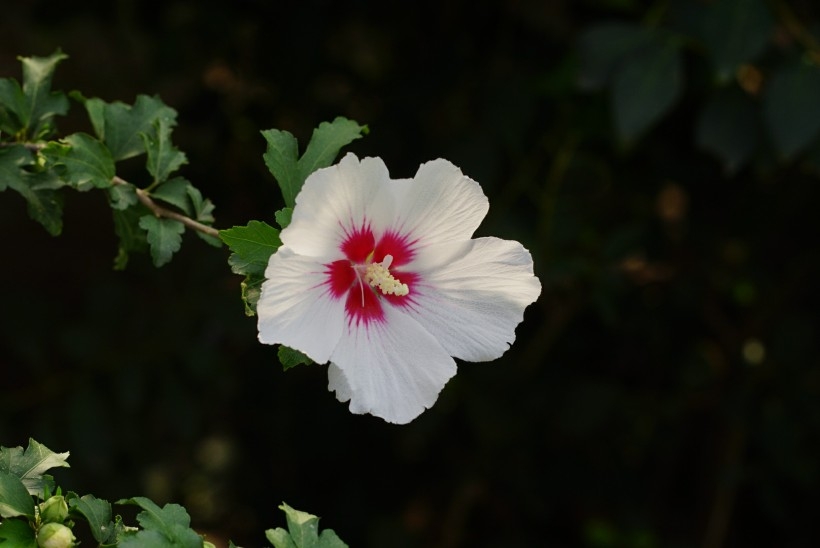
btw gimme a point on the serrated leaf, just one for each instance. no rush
(303, 532)
(645, 88)
(790, 107)
(283, 216)
(326, 142)
(289, 357)
(84, 162)
(12, 106)
(119, 125)
(171, 522)
(291, 171)
(728, 126)
(12, 160)
(98, 514)
(175, 192)
(252, 244)
(282, 160)
(603, 48)
(45, 207)
(163, 157)
(17, 533)
(251, 288)
(734, 32)
(41, 104)
(15, 500)
(164, 237)
(122, 196)
(131, 237)
(31, 464)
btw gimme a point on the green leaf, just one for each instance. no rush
(163, 157)
(12, 161)
(166, 526)
(175, 192)
(14, 498)
(84, 161)
(120, 126)
(728, 126)
(282, 160)
(290, 171)
(31, 464)
(790, 107)
(283, 216)
(645, 88)
(41, 104)
(289, 357)
(17, 533)
(132, 237)
(164, 237)
(98, 514)
(12, 106)
(303, 532)
(251, 290)
(604, 47)
(252, 244)
(122, 196)
(734, 32)
(46, 207)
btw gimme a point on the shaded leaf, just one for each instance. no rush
(303, 532)
(15, 499)
(175, 192)
(166, 526)
(31, 464)
(728, 126)
(122, 196)
(164, 237)
(17, 533)
(790, 107)
(12, 106)
(41, 104)
(282, 159)
(604, 47)
(83, 161)
(289, 357)
(98, 514)
(12, 160)
(645, 88)
(131, 237)
(163, 157)
(252, 244)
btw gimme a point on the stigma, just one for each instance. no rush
(378, 275)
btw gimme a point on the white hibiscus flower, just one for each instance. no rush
(381, 278)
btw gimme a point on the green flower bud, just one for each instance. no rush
(55, 535)
(54, 510)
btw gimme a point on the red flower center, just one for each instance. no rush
(351, 278)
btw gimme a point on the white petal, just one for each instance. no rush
(296, 308)
(393, 369)
(440, 204)
(336, 200)
(472, 295)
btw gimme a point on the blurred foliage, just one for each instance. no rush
(660, 159)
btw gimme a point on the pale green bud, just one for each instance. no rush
(54, 510)
(55, 535)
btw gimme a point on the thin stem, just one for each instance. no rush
(159, 211)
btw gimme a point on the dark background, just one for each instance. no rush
(663, 391)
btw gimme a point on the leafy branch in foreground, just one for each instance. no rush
(38, 164)
(33, 514)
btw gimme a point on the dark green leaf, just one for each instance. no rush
(31, 464)
(252, 244)
(289, 357)
(163, 157)
(325, 143)
(283, 216)
(119, 125)
(98, 514)
(132, 237)
(282, 159)
(12, 160)
(164, 236)
(645, 88)
(604, 47)
(15, 500)
(41, 103)
(171, 522)
(175, 192)
(122, 196)
(84, 161)
(734, 32)
(729, 127)
(790, 107)
(251, 290)
(17, 533)
(12, 106)
(290, 171)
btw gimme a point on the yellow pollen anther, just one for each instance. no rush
(378, 275)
